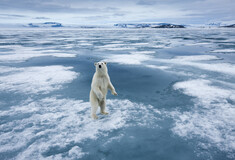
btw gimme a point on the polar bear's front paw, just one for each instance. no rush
(114, 93)
(94, 116)
(105, 113)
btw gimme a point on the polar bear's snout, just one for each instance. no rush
(99, 66)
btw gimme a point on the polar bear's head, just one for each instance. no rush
(101, 67)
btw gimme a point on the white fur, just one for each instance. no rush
(99, 88)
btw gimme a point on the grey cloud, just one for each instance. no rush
(43, 6)
(96, 17)
(164, 2)
(142, 2)
(41, 18)
(12, 15)
(119, 14)
(111, 9)
(130, 10)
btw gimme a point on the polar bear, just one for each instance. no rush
(99, 88)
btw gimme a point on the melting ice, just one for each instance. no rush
(176, 94)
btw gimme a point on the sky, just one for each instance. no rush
(107, 12)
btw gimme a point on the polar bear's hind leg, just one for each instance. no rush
(102, 107)
(94, 105)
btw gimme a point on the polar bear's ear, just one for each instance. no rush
(95, 63)
(105, 63)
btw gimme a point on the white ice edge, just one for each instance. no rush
(36, 79)
(211, 118)
(197, 62)
(53, 124)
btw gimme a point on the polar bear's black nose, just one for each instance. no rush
(99, 66)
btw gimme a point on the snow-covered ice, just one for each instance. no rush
(175, 94)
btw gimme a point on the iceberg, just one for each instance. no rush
(149, 25)
(45, 25)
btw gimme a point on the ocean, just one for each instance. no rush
(176, 94)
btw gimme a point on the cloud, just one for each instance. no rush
(148, 2)
(12, 16)
(119, 14)
(181, 11)
(41, 18)
(45, 6)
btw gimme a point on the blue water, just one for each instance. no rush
(176, 94)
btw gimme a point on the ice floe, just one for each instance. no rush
(54, 128)
(224, 51)
(196, 61)
(132, 59)
(36, 79)
(196, 58)
(158, 67)
(211, 118)
(20, 54)
(143, 52)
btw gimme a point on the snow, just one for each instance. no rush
(212, 116)
(36, 79)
